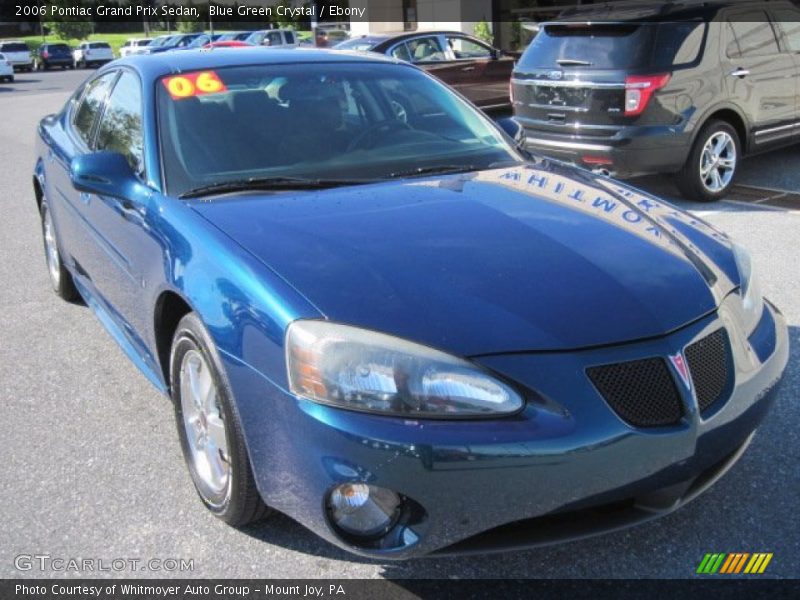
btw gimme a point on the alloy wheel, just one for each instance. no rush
(205, 427)
(51, 250)
(718, 162)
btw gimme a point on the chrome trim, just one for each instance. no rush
(569, 83)
(773, 130)
(566, 145)
(554, 107)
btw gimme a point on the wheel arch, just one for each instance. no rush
(729, 114)
(170, 308)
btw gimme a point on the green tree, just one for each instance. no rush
(483, 32)
(70, 30)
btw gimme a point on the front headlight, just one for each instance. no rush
(749, 290)
(364, 370)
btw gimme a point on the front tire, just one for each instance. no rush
(209, 428)
(711, 168)
(60, 277)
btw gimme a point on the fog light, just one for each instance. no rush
(363, 510)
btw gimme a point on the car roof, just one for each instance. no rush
(153, 66)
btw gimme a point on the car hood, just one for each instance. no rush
(540, 257)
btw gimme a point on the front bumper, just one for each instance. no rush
(563, 456)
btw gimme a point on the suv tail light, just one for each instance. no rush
(639, 89)
(45, 54)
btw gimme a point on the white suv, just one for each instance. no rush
(17, 53)
(133, 46)
(92, 53)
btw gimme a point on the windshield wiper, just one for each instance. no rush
(269, 183)
(441, 169)
(571, 62)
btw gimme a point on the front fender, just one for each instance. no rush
(245, 306)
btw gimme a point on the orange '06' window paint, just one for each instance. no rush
(194, 84)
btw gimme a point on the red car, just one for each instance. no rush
(228, 44)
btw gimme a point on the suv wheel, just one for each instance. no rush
(710, 170)
(209, 428)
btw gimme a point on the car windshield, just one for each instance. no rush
(99, 46)
(141, 42)
(323, 121)
(161, 40)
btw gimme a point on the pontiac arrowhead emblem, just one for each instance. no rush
(679, 363)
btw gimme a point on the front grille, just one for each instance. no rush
(641, 392)
(708, 364)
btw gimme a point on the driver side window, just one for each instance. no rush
(90, 105)
(120, 128)
(464, 48)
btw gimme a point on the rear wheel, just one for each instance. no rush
(711, 168)
(60, 277)
(209, 429)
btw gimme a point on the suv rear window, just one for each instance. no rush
(57, 48)
(14, 47)
(99, 45)
(615, 45)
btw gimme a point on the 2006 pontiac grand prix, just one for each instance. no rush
(375, 313)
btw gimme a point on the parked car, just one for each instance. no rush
(689, 91)
(155, 43)
(52, 55)
(133, 46)
(396, 328)
(233, 36)
(6, 69)
(469, 65)
(228, 44)
(274, 38)
(18, 54)
(92, 54)
(201, 41)
(179, 41)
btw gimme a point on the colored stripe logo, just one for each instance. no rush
(733, 563)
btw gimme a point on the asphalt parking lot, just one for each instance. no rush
(93, 469)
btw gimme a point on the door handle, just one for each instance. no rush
(740, 73)
(85, 197)
(468, 69)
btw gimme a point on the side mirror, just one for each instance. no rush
(512, 128)
(103, 173)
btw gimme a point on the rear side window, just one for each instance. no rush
(790, 25)
(751, 34)
(90, 106)
(120, 128)
(289, 37)
(14, 47)
(616, 45)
